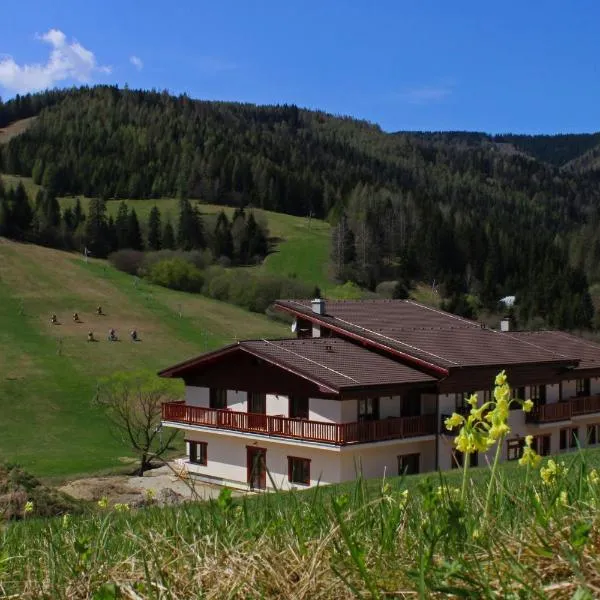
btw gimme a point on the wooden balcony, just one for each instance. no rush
(564, 411)
(585, 405)
(339, 434)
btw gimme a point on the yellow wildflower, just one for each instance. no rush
(501, 378)
(65, 520)
(472, 401)
(455, 420)
(150, 494)
(563, 498)
(593, 477)
(552, 471)
(528, 440)
(103, 502)
(530, 457)
(28, 507)
(527, 406)
(119, 507)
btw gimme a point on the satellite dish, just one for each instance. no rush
(294, 325)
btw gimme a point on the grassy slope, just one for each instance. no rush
(47, 424)
(14, 129)
(301, 250)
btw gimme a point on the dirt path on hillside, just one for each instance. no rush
(166, 488)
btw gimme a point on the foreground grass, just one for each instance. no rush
(398, 538)
(48, 373)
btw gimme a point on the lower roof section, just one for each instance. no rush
(335, 365)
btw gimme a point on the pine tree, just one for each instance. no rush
(122, 226)
(78, 216)
(154, 229)
(190, 234)
(20, 212)
(96, 228)
(168, 238)
(222, 240)
(134, 233)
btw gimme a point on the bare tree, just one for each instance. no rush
(132, 403)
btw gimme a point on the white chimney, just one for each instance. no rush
(505, 324)
(318, 306)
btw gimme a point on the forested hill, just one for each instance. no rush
(484, 216)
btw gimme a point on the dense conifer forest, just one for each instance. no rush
(481, 216)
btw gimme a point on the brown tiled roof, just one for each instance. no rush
(430, 335)
(336, 363)
(586, 351)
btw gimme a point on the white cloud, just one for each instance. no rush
(136, 61)
(67, 61)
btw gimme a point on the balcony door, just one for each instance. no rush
(298, 407)
(256, 466)
(368, 409)
(257, 411)
(410, 404)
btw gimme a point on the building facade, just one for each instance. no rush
(365, 388)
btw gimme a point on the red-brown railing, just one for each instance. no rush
(585, 405)
(315, 431)
(563, 411)
(548, 413)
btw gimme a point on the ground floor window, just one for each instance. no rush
(458, 459)
(198, 454)
(514, 449)
(593, 434)
(563, 439)
(408, 464)
(574, 437)
(541, 444)
(299, 470)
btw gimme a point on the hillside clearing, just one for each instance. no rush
(49, 372)
(14, 129)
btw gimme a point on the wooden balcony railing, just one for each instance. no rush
(339, 434)
(585, 405)
(564, 411)
(549, 413)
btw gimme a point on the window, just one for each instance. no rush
(198, 454)
(299, 470)
(257, 403)
(458, 459)
(563, 439)
(517, 393)
(538, 394)
(408, 464)
(574, 437)
(593, 432)
(541, 444)
(298, 407)
(582, 387)
(569, 438)
(218, 398)
(514, 449)
(461, 401)
(368, 409)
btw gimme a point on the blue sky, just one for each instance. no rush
(528, 66)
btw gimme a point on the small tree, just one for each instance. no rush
(132, 403)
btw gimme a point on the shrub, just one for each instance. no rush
(177, 274)
(128, 261)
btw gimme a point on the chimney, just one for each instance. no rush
(505, 324)
(318, 306)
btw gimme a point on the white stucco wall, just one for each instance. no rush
(595, 385)
(197, 396)
(349, 410)
(327, 411)
(277, 405)
(552, 393)
(380, 460)
(237, 401)
(227, 460)
(389, 406)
